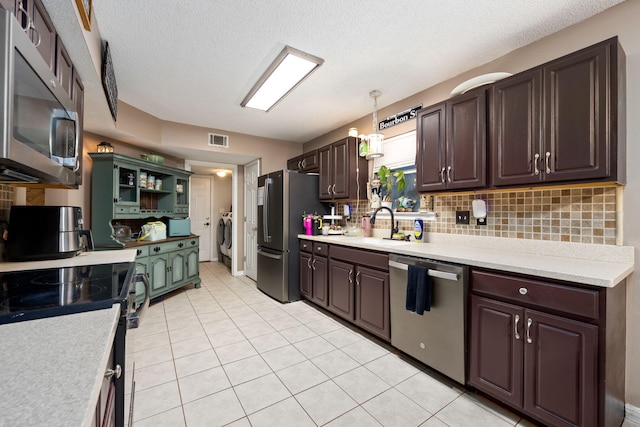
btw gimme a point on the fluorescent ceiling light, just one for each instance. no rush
(286, 72)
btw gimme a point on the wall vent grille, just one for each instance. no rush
(216, 140)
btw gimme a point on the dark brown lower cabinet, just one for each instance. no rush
(546, 348)
(359, 288)
(351, 283)
(313, 272)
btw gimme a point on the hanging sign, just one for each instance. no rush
(401, 117)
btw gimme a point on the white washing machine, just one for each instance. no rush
(225, 238)
(220, 238)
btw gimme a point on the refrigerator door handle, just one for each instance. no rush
(269, 255)
(265, 211)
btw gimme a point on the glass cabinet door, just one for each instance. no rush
(126, 185)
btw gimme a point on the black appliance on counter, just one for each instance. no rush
(46, 232)
(283, 196)
(36, 294)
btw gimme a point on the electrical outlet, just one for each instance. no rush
(481, 221)
(462, 217)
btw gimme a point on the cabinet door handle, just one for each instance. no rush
(358, 278)
(536, 158)
(313, 264)
(333, 189)
(515, 327)
(529, 322)
(449, 174)
(115, 372)
(442, 178)
(329, 189)
(547, 169)
(351, 277)
(309, 263)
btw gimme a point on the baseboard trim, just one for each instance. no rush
(631, 414)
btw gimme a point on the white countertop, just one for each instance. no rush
(52, 369)
(84, 258)
(597, 265)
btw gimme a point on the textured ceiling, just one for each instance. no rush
(194, 61)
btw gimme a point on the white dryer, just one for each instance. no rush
(228, 234)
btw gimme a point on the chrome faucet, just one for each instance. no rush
(372, 221)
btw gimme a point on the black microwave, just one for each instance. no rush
(41, 136)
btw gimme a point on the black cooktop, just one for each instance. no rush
(35, 294)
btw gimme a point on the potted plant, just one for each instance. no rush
(388, 177)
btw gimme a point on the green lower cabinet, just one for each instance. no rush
(169, 265)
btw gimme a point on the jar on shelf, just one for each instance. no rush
(143, 180)
(151, 182)
(158, 184)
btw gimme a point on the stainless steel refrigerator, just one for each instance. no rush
(283, 197)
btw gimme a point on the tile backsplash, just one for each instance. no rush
(579, 215)
(6, 200)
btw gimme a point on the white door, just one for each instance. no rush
(200, 207)
(251, 173)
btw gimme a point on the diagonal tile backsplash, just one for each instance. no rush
(579, 215)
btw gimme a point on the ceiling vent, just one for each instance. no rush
(216, 140)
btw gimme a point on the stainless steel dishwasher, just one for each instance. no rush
(438, 337)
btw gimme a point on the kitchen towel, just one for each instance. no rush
(419, 289)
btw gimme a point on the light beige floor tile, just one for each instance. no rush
(335, 363)
(356, 417)
(148, 341)
(284, 322)
(183, 334)
(220, 325)
(211, 316)
(283, 357)
(171, 418)
(232, 303)
(247, 319)
(342, 337)
(190, 346)
(242, 422)
(246, 369)
(264, 391)
(263, 307)
(302, 376)
(392, 368)
(433, 422)
(361, 384)
(156, 400)
(392, 408)
(324, 326)
(154, 375)
(153, 356)
(257, 329)
(428, 392)
(325, 402)
(493, 407)
(315, 346)
(364, 351)
(226, 337)
(239, 311)
(203, 384)
(183, 322)
(216, 409)
(268, 342)
(270, 314)
(236, 351)
(285, 413)
(196, 362)
(463, 411)
(297, 333)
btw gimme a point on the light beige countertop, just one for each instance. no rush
(84, 258)
(597, 265)
(52, 369)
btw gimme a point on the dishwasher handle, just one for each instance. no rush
(433, 273)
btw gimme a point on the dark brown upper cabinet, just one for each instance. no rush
(559, 122)
(451, 144)
(342, 172)
(305, 163)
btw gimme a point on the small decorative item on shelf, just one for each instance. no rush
(105, 147)
(179, 188)
(143, 180)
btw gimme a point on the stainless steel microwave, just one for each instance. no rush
(40, 139)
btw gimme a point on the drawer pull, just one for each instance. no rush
(515, 327)
(523, 291)
(529, 322)
(117, 371)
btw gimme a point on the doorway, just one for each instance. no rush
(216, 195)
(251, 174)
